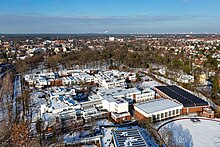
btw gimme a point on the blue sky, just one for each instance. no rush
(111, 16)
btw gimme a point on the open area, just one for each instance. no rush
(202, 132)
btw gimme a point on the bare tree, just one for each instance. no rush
(175, 136)
(6, 100)
(21, 135)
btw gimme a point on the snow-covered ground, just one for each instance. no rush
(149, 139)
(17, 92)
(75, 135)
(205, 133)
(148, 83)
(165, 80)
(36, 102)
(17, 86)
(103, 122)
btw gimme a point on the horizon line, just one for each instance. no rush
(62, 33)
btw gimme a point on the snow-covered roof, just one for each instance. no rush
(91, 103)
(157, 105)
(119, 91)
(149, 84)
(119, 115)
(54, 104)
(129, 136)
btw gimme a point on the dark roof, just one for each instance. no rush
(121, 134)
(182, 96)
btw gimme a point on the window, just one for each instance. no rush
(169, 113)
(154, 117)
(173, 112)
(165, 114)
(177, 111)
(158, 116)
(161, 115)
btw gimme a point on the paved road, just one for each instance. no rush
(17, 93)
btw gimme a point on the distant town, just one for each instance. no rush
(110, 90)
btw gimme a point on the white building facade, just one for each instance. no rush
(158, 109)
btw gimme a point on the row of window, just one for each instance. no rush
(143, 100)
(149, 96)
(166, 114)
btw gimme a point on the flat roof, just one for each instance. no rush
(91, 103)
(156, 105)
(111, 98)
(123, 114)
(57, 105)
(182, 96)
(119, 91)
(129, 136)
